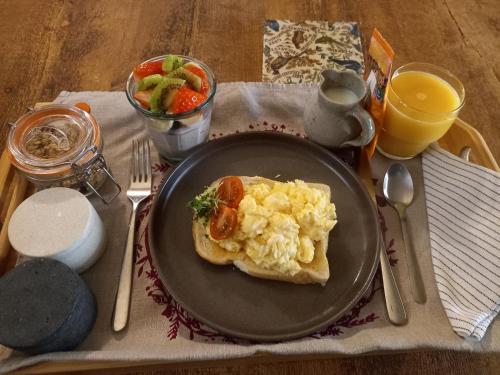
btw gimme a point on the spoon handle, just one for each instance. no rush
(395, 307)
(413, 268)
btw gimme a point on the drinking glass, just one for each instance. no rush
(423, 101)
(176, 135)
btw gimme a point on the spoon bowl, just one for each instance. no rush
(398, 185)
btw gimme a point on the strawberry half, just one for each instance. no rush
(143, 97)
(200, 73)
(196, 70)
(147, 68)
(186, 100)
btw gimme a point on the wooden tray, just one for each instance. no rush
(14, 189)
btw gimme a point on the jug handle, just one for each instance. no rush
(367, 128)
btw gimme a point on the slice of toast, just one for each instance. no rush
(317, 271)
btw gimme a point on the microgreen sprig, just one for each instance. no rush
(204, 204)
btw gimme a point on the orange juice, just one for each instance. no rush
(421, 106)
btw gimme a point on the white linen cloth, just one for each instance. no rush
(160, 330)
(463, 208)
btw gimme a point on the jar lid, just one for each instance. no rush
(51, 222)
(47, 141)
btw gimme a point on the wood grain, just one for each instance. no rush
(14, 199)
(54, 45)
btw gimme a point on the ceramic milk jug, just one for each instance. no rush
(334, 117)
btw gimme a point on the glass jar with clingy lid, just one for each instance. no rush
(60, 145)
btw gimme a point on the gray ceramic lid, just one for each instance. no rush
(45, 306)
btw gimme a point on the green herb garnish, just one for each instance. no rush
(204, 204)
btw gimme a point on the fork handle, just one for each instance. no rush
(416, 279)
(122, 303)
(393, 302)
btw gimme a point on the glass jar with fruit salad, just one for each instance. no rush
(60, 145)
(174, 96)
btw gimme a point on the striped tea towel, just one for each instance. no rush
(463, 207)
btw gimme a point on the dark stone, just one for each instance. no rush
(44, 307)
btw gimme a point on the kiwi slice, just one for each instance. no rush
(168, 99)
(171, 63)
(192, 78)
(149, 81)
(161, 90)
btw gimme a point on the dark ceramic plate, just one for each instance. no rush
(243, 306)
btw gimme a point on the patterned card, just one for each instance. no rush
(296, 52)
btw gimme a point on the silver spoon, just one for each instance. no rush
(398, 191)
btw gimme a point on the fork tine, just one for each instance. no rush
(140, 161)
(148, 160)
(144, 162)
(133, 168)
(137, 174)
(140, 166)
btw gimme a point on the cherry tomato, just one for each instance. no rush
(147, 68)
(223, 222)
(231, 191)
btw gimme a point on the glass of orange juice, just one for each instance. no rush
(423, 100)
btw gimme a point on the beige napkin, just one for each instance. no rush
(161, 330)
(463, 206)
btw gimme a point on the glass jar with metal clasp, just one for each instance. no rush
(60, 145)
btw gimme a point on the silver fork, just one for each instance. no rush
(139, 189)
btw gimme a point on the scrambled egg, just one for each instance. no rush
(278, 225)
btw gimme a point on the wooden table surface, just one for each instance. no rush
(49, 46)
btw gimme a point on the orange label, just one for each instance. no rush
(377, 75)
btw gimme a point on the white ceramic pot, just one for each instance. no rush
(61, 224)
